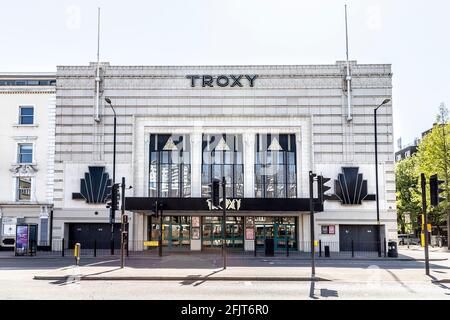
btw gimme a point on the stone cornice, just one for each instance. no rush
(12, 204)
(46, 90)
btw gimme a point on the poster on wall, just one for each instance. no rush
(249, 234)
(22, 239)
(249, 221)
(195, 222)
(331, 229)
(328, 230)
(195, 233)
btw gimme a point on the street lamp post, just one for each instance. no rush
(224, 223)
(376, 175)
(112, 216)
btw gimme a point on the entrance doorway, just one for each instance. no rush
(176, 231)
(93, 234)
(281, 229)
(212, 232)
(364, 237)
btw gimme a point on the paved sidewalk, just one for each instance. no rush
(372, 274)
(202, 267)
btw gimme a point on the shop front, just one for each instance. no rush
(281, 229)
(177, 231)
(212, 232)
(200, 228)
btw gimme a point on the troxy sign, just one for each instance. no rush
(231, 204)
(222, 80)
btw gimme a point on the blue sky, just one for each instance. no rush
(412, 35)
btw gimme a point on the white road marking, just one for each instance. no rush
(101, 262)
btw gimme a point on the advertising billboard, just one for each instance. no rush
(22, 239)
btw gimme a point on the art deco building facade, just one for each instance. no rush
(263, 128)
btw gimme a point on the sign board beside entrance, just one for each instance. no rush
(249, 234)
(151, 243)
(195, 222)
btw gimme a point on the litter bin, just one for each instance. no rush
(392, 249)
(269, 247)
(327, 251)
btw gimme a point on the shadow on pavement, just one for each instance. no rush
(401, 282)
(326, 293)
(436, 282)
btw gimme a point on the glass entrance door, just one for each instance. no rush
(281, 229)
(284, 235)
(234, 235)
(176, 231)
(263, 231)
(212, 232)
(212, 235)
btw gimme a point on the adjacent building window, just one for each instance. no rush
(24, 189)
(170, 169)
(27, 82)
(25, 153)
(223, 157)
(275, 166)
(26, 115)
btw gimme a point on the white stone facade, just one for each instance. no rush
(36, 91)
(308, 100)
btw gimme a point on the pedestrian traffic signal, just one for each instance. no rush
(215, 192)
(322, 188)
(435, 190)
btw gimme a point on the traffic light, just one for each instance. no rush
(420, 221)
(215, 192)
(113, 196)
(322, 188)
(435, 191)
(157, 208)
(108, 197)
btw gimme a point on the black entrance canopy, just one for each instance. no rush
(143, 204)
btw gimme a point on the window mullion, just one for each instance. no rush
(158, 175)
(180, 183)
(285, 174)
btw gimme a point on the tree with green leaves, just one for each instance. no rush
(408, 193)
(434, 158)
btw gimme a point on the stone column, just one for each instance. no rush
(137, 230)
(249, 165)
(196, 182)
(299, 231)
(196, 164)
(249, 245)
(306, 233)
(196, 224)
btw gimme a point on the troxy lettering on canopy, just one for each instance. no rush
(222, 80)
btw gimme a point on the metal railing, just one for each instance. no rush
(299, 249)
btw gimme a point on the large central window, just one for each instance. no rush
(222, 157)
(170, 169)
(275, 166)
